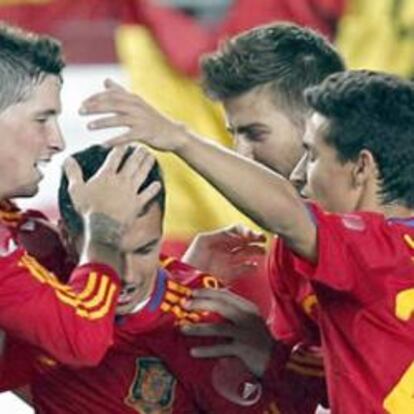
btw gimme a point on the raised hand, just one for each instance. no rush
(227, 253)
(111, 194)
(144, 122)
(245, 335)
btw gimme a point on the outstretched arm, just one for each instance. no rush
(268, 198)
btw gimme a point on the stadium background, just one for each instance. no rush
(153, 47)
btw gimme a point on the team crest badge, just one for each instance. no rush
(153, 388)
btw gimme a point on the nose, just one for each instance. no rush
(127, 270)
(56, 141)
(298, 175)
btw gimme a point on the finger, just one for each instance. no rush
(138, 164)
(111, 84)
(114, 121)
(236, 237)
(140, 172)
(73, 171)
(247, 251)
(254, 236)
(247, 233)
(224, 297)
(226, 309)
(147, 195)
(214, 351)
(250, 235)
(208, 329)
(115, 101)
(113, 160)
(107, 101)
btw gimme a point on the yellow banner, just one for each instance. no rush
(378, 35)
(192, 204)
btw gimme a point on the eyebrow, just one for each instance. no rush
(243, 129)
(47, 112)
(147, 245)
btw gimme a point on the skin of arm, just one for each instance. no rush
(266, 197)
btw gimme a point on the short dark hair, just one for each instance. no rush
(373, 111)
(287, 57)
(90, 160)
(25, 59)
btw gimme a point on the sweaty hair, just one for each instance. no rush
(372, 111)
(286, 57)
(90, 160)
(25, 59)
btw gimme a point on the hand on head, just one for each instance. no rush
(145, 123)
(112, 191)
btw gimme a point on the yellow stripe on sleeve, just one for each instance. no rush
(69, 297)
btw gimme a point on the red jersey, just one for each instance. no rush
(293, 319)
(364, 282)
(36, 307)
(149, 368)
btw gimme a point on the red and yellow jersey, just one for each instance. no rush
(35, 306)
(294, 313)
(364, 282)
(149, 368)
(293, 320)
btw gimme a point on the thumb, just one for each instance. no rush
(73, 171)
(111, 84)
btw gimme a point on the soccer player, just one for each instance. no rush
(149, 368)
(33, 305)
(260, 76)
(356, 251)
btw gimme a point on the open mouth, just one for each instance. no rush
(126, 296)
(41, 165)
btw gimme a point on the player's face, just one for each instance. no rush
(30, 136)
(264, 132)
(321, 175)
(141, 249)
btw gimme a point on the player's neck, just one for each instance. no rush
(146, 290)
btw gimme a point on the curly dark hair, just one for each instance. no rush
(287, 57)
(373, 111)
(25, 59)
(90, 160)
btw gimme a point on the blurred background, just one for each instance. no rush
(153, 48)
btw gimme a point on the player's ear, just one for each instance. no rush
(364, 169)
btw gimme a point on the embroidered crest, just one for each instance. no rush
(153, 388)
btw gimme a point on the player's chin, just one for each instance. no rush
(124, 309)
(29, 190)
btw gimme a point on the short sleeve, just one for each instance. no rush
(349, 246)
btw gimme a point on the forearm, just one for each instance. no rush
(102, 239)
(266, 197)
(74, 323)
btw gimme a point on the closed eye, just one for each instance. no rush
(147, 248)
